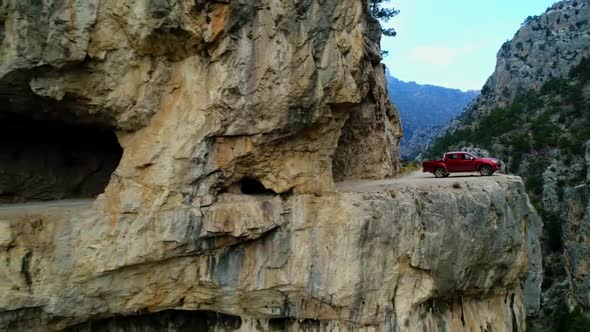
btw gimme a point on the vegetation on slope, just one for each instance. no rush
(540, 131)
(551, 124)
(383, 14)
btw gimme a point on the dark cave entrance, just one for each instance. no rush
(43, 159)
(348, 149)
(2, 30)
(167, 320)
(251, 186)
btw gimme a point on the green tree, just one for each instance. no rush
(383, 14)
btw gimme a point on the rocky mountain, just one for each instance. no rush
(187, 165)
(420, 141)
(424, 109)
(534, 113)
(546, 47)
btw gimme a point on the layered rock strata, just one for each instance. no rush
(380, 255)
(203, 94)
(547, 46)
(233, 120)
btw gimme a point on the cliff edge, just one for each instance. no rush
(402, 254)
(183, 175)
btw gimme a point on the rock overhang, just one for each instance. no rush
(246, 90)
(337, 256)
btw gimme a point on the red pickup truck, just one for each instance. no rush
(461, 161)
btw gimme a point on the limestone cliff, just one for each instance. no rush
(387, 255)
(577, 242)
(197, 144)
(216, 86)
(533, 114)
(547, 46)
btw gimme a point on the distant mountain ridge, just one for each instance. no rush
(425, 109)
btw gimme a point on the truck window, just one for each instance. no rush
(465, 156)
(453, 156)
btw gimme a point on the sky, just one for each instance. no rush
(453, 43)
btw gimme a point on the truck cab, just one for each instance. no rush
(461, 161)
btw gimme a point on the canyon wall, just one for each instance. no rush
(533, 114)
(363, 257)
(216, 87)
(231, 122)
(547, 46)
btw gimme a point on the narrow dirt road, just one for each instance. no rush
(412, 180)
(36, 207)
(420, 180)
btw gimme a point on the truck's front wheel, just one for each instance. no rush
(440, 172)
(485, 170)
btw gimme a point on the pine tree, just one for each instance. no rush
(383, 14)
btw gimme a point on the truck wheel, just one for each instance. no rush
(485, 170)
(440, 172)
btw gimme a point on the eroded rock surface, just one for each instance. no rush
(576, 236)
(532, 114)
(224, 89)
(545, 47)
(380, 255)
(235, 118)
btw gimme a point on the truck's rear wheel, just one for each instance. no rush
(485, 170)
(440, 172)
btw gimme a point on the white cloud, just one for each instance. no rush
(439, 55)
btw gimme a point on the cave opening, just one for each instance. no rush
(251, 186)
(347, 151)
(43, 158)
(168, 320)
(2, 30)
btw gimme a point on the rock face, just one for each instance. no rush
(218, 87)
(577, 242)
(233, 119)
(533, 114)
(405, 257)
(547, 46)
(419, 142)
(576, 234)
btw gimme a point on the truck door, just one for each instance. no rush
(452, 162)
(467, 162)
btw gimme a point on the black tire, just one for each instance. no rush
(486, 170)
(440, 172)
